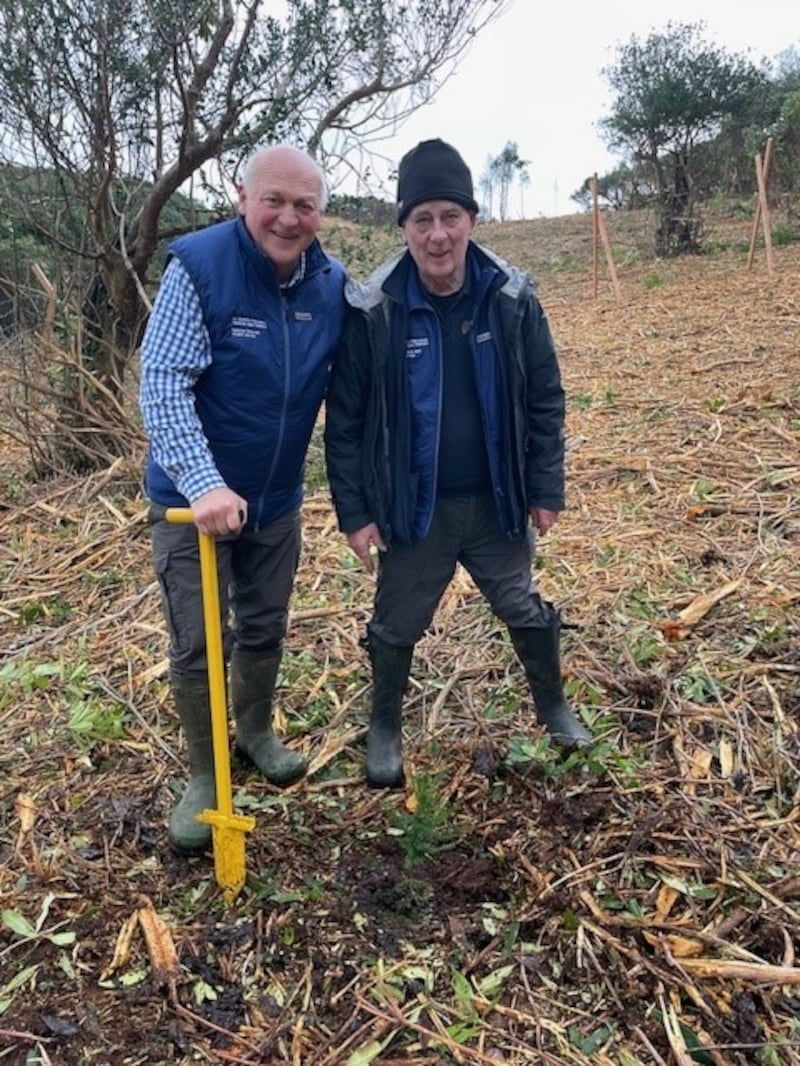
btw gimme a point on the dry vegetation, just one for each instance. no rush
(638, 906)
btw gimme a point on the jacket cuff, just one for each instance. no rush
(353, 522)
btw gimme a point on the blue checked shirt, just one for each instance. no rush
(176, 349)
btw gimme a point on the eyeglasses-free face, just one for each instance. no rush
(437, 233)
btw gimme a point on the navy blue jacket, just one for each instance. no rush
(384, 407)
(272, 350)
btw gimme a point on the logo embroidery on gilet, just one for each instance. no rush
(242, 326)
(415, 346)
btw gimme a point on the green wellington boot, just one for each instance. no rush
(186, 835)
(253, 676)
(390, 668)
(538, 651)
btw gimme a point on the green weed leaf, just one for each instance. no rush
(17, 923)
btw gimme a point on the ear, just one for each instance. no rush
(242, 195)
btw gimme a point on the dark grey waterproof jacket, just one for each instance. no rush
(381, 466)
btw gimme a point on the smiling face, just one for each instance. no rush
(437, 233)
(281, 200)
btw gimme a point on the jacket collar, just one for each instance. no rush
(312, 260)
(392, 277)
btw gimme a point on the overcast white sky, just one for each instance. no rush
(533, 76)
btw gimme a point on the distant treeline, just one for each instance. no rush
(368, 210)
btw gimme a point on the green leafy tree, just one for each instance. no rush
(622, 189)
(726, 163)
(113, 106)
(674, 91)
(788, 133)
(786, 128)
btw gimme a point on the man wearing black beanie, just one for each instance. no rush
(444, 444)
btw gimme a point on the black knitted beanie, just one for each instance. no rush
(433, 171)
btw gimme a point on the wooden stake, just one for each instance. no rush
(599, 234)
(612, 270)
(765, 219)
(595, 235)
(760, 201)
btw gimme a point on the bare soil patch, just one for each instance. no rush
(637, 906)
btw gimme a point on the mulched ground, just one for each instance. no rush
(640, 905)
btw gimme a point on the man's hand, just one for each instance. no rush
(362, 542)
(542, 519)
(219, 512)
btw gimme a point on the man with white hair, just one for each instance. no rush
(235, 364)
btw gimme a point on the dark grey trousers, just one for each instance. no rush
(256, 574)
(412, 580)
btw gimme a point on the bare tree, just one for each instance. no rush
(523, 180)
(486, 185)
(506, 168)
(109, 107)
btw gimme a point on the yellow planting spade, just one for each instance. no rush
(227, 829)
